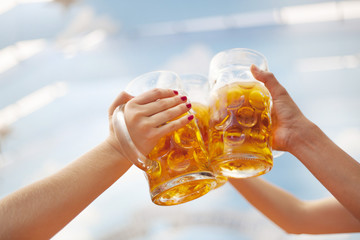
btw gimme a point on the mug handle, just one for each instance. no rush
(127, 146)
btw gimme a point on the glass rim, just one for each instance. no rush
(218, 61)
(240, 50)
(153, 75)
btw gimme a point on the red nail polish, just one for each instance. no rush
(191, 117)
(176, 92)
(184, 98)
(188, 105)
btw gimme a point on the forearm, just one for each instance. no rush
(41, 209)
(334, 168)
(293, 215)
(278, 205)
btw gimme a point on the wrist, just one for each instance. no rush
(113, 149)
(303, 134)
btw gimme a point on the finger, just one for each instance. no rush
(174, 125)
(154, 94)
(266, 77)
(122, 98)
(270, 81)
(164, 104)
(169, 114)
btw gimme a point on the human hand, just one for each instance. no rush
(288, 120)
(154, 114)
(122, 98)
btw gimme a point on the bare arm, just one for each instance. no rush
(293, 215)
(335, 169)
(41, 209)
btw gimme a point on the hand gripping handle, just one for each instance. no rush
(126, 144)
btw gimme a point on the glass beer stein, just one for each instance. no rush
(177, 169)
(197, 89)
(240, 136)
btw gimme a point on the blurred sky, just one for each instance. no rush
(62, 63)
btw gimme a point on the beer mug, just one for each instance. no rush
(240, 136)
(177, 169)
(197, 89)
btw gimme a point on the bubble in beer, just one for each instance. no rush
(234, 136)
(235, 98)
(179, 160)
(224, 123)
(256, 99)
(246, 116)
(161, 149)
(185, 137)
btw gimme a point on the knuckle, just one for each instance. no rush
(177, 112)
(181, 109)
(132, 112)
(157, 91)
(144, 126)
(111, 110)
(151, 135)
(173, 127)
(283, 92)
(167, 116)
(135, 116)
(162, 104)
(271, 75)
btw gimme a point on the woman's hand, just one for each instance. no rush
(151, 115)
(122, 98)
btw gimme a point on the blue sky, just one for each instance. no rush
(77, 59)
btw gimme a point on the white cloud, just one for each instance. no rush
(46, 169)
(85, 32)
(80, 227)
(349, 141)
(320, 237)
(195, 59)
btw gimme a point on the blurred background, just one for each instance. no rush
(62, 62)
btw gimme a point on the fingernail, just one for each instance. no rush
(176, 92)
(188, 105)
(191, 117)
(184, 98)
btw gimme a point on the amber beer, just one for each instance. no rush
(177, 168)
(240, 130)
(179, 153)
(202, 117)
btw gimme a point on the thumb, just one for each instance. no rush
(268, 78)
(122, 98)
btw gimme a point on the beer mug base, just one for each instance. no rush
(241, 165)
(183, 189)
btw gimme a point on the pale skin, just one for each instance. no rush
(334, 168)
(43, 208)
